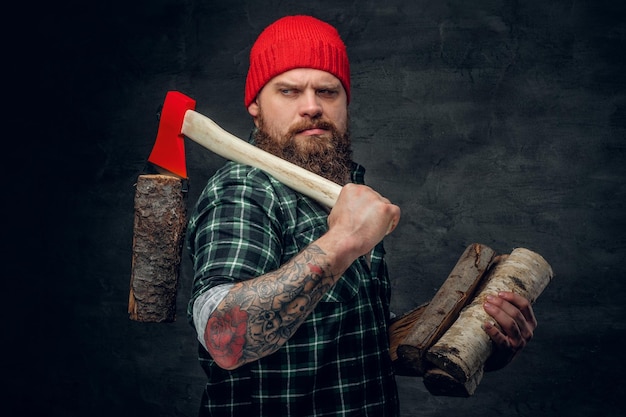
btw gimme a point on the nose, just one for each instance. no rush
(310, 105)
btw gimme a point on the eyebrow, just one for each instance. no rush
(329, 85)
(283, 84)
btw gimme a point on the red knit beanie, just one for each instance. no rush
(296, 42)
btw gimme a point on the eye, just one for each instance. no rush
(328, 93)
(288, 92)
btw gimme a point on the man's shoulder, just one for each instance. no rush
(234, 177)
(236, 173)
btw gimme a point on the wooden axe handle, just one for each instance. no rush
(208, 134)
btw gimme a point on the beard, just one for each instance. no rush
(327, 156)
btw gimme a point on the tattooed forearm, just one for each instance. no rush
(258, 316)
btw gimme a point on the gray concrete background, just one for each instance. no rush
(498, 122)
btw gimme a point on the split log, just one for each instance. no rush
(463, 350)
(455, 293)
(398, 330)
(159, 228)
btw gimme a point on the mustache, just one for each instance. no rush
(306, 125)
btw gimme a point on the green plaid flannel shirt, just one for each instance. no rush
(246, 224)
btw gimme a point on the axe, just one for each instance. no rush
(178, 119)
(160, 207)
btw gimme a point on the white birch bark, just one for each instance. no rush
(464, 348)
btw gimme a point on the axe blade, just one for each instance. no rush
(168, 151)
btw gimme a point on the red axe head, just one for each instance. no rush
(168, 151)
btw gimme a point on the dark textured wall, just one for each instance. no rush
(491, 121)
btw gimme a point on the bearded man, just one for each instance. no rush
(291, 302)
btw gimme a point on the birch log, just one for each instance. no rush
(455, 293)
(463, 350)
(441, 383)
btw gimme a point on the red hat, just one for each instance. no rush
(296, 42)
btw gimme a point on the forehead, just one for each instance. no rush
(306, 76)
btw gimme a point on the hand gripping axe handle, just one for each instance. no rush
(179, 119)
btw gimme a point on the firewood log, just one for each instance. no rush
(465, 347)
(159, 229)
(453, 295)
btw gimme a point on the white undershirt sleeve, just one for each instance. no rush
(204, 306)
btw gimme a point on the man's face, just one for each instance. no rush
(302, 116)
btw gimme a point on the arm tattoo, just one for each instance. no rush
(258, 316)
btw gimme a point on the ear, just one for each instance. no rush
(254, 111)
